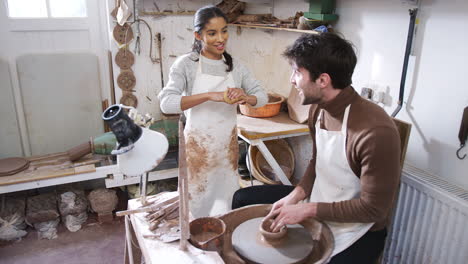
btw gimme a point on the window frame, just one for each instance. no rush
(46, 23)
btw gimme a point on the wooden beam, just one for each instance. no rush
(168, 13)
(183, 191)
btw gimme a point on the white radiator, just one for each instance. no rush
(430, 221)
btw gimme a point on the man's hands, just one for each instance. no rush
(287, 211)
(290, 215)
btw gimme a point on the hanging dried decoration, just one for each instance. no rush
(126, 80)
(124, 58)
(129, 99)
(114, 12)
(123, 34)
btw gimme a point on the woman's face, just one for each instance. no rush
(213, 37)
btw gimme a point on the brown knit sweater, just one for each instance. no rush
(373, 152)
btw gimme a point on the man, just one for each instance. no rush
(353, 176)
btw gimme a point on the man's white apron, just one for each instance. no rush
(335, 181)
(212, 148)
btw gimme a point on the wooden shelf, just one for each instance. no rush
(167, 13)
(276, 28)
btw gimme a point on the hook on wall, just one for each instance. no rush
(458, 152)
(463, 134)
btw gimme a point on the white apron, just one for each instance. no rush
(335, 181)
(212, 148)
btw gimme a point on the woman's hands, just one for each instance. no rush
(238, 96)
(216, 96)
(232, 94)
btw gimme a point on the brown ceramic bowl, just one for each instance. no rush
(207, 233)
(272, 237)
(272, 108)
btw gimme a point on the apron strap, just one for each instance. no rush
(320, 116)
(344, 125)
(200, 69)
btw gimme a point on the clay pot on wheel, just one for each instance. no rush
(272, 238)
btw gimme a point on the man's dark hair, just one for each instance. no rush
(324, 53)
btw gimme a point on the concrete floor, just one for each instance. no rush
(94, 243)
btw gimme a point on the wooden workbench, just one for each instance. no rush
(257, 130)
(156, 251)
(279, 126)
(49, 170)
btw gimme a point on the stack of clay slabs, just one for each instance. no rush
(10, 166)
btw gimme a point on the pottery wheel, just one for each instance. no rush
(10, 166)
(247, 242)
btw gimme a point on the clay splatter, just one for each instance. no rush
(198, 160)
(233, 152)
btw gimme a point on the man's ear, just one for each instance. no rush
(197, 36)
(324, 80)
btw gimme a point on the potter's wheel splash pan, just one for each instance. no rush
(323, 242)
(294, 247)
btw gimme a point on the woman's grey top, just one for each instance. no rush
(182, 76)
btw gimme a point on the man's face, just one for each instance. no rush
(309, 90)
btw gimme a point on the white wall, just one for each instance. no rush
(436, 93)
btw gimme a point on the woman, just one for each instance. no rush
(197, 82)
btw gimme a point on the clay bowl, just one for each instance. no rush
(270, 237)
(272, 108)
(207, 233)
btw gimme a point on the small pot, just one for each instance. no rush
(207, 233)
(270, 237)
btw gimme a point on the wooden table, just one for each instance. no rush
(154, 250)
(52, 169)
(257, 130)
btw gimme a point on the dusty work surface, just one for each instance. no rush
(156, 251)
(255, 128)
(94, 243)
